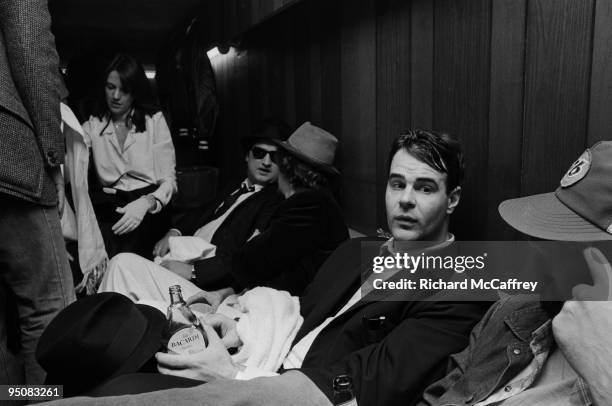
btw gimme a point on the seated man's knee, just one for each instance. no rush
(125, 262)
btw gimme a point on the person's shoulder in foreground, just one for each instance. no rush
(528, 351)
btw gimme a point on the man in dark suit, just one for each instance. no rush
(34, 273)
(305, 229)
(391, 346)
(242, 211)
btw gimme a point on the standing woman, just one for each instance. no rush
(133, 158)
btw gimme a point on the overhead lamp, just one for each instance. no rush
(213, 52)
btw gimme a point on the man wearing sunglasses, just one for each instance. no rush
(241, 211)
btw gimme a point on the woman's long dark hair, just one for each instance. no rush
(133, 80)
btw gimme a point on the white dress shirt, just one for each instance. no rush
(147, 158)
(207, 231)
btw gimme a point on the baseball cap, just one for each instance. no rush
(579, 210)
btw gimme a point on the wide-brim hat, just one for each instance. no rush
(98, 338)
(314, 146)
(268, 130)
(579, 210)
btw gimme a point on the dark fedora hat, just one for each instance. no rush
(312, 145)
(269, 129)
(98, 338)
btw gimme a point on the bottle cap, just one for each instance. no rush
(343, 382)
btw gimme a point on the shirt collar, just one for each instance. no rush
(391, 247)
(251, 187)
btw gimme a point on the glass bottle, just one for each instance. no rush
(343, 391)
(184, 332)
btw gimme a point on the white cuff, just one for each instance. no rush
(177, 230)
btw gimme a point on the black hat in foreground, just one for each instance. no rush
(98, 338)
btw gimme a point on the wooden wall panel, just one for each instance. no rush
(515, 79)
(461, 98)
(301, 64)
(557, 78)
(331, 74)
(506, 111)
(422, 63)
(600, 107)
(315, 71)
(357, 141)
(393, 77)
(258, 98)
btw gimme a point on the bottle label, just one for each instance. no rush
(187, 341)
(352, 402)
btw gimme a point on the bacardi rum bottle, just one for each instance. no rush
(184, 331)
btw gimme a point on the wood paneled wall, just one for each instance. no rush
(525, 84)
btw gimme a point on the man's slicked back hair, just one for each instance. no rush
(441, 151)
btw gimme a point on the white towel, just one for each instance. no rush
(269, 321)
(187, 249)
(81, 225)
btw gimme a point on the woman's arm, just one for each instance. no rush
(164, 160)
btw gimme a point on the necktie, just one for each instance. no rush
(231, 199)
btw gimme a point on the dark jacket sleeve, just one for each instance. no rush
(397, 369)
(293, 231)
(30, 47)
(214, 273)
(192, 221)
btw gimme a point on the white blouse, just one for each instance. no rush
(146, 158)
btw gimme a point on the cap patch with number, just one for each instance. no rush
(578, 170)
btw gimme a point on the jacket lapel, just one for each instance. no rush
(336, 282)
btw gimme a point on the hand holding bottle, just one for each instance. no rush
(213, 362)
(226, 328)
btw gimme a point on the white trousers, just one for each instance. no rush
(143, 281)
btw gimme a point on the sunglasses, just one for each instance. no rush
(260, 153)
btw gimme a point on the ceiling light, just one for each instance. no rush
(212, 52)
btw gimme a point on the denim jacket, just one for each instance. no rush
(514, 331)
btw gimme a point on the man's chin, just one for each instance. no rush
(264, 180)
(402, 234)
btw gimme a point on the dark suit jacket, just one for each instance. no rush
(391, 363)
(252, 214)
(305, 229)
(30, 142)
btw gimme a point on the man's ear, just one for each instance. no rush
(453, 199)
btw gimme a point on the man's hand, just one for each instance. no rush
(583, 329)
(133, 213)
(214, 362)
(58, 179)
(163, 246)
(601, 272)
(226, 328)
(180, 268)
(213, 299)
